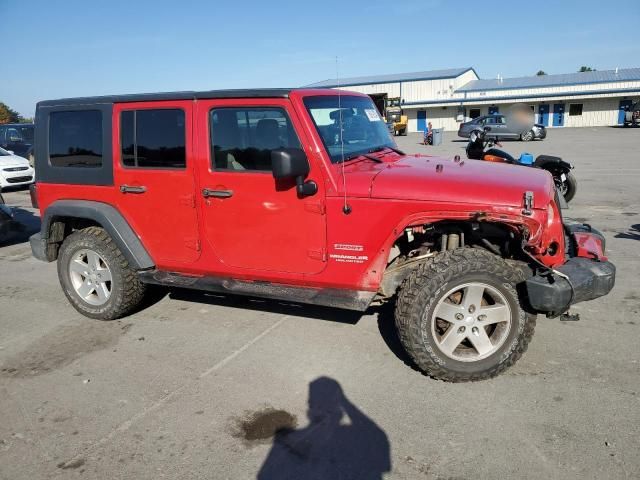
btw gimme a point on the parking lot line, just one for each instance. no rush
(126, 425)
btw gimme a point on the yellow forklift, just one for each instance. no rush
(396, 121)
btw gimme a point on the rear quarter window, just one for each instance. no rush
(75, 139)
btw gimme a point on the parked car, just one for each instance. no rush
(302, 195)
(18, 137)
(15, 171)
(501, 129)
(632, 116)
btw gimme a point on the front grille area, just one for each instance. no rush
(27, 178)
(15, 169)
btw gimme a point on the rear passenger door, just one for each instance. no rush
(153, 172)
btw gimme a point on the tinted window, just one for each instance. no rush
(243, 138)
(153, 138)
(75, 139)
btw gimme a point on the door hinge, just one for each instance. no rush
(188, 200)
(319, 254)
(193, 244)
(315, 207)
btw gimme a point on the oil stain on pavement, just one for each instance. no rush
(61, 347)
(263, 425)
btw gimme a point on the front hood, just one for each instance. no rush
(467, 181)
(13, 161)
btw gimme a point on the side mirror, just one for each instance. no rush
(291, 163)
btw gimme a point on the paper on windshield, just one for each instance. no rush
(372, 114)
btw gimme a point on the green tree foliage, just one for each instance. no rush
(541, 72)
(586, 69)
(8, 115)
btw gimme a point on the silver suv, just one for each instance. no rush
(501, 129)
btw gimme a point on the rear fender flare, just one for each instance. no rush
(108, 218)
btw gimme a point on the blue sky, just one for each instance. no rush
(65, 48)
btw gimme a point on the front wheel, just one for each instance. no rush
(567, 186)
(96, 277)
(459, 316)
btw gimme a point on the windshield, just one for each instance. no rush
(17, 134)
(3, 152)
(363, 130)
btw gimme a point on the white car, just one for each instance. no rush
(14, 170)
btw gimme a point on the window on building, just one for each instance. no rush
(153, 138)
(575, 109)
(243, 138)
(474, 113)
(75, 139)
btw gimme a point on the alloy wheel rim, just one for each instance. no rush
(471, 322)
(90, 277)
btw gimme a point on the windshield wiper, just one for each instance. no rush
(356, 155)
(379, 149)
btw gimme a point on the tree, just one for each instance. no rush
(586, 69)
(541, 72)
(8, 115)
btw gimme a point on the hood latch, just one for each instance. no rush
(527, 203)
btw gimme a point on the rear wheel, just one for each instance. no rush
(96, 278)
(459, 316)
(567, 187)
(527, 136)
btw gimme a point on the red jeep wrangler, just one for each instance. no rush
(303, 195)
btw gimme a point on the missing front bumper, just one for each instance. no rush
(580, 279)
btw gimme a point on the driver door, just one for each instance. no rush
(250, 220)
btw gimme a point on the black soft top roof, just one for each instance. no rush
(152, 97)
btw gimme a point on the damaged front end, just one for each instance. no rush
(584, 274)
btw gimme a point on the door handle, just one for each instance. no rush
(206, 193)
(133, 189)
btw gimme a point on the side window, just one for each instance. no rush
(489, 121)
(243, 138)
(75, 139)
(153, 138)
(500, 120)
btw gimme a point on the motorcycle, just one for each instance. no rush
(481, 147)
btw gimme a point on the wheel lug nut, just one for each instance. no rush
(472, 308)
(474, 329)
(482, 318)
(459, 316)
(461, 330)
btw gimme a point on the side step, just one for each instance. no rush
(358, 300)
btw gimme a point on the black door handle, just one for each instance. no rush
(132, 189)
(206, 193)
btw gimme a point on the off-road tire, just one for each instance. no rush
(424, 287)
(127, 291)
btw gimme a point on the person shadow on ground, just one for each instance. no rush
(340, 442)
